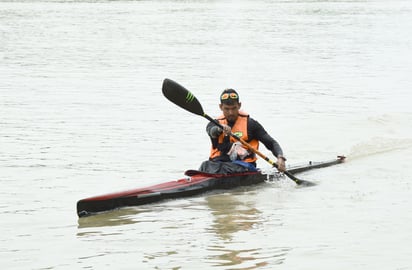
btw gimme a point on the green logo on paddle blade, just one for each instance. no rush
(238, 133)
(189, 97)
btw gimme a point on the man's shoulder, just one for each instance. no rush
(253, 124)
(252, 120)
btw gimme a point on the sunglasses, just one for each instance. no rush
(229, 95)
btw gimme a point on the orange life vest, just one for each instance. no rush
(239, 129)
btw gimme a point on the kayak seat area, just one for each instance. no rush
(219, 167)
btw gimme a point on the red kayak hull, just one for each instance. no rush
(192, 184)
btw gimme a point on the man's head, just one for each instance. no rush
(229, 104)
(229, 97)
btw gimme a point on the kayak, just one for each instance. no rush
(194, 182)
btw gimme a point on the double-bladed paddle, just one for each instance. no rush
(186, 100)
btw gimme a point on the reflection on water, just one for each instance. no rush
(116, 217)
(134, 214)
(232, 216)
(250, 258)
(237, 257)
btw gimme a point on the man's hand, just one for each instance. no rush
(281, 164)
(215, 131)
(227, 130)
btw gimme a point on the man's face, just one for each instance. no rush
(230, 112)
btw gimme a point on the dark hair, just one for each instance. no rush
(229, 97)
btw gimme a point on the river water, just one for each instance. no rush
(82, 114)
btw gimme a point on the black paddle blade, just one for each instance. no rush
(302, 183)
(181, 97)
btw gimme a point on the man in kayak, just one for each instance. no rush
(225, 148)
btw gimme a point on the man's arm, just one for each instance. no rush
(256, 130)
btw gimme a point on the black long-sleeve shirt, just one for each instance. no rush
(255, 131)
